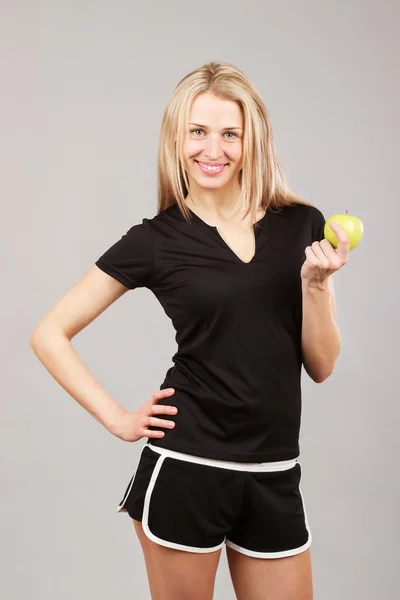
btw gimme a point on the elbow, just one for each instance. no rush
(33, 339)
(36, 341)
(320, 370)
(37, 335)
(318, 375)
(322, 378)
(42, 334)
(323, 375)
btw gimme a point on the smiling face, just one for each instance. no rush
(214, 136)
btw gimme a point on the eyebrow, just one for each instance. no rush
(205, 126)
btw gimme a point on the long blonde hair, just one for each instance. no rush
(262, 181)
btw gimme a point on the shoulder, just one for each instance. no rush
(302, 215)
(310, 216)
(144, 229)
(164, 217)
(311, 212)
(315, 222)
(139, 234)
(306, 218)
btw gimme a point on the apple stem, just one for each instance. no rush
(347, 212)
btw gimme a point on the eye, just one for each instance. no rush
(229, 132)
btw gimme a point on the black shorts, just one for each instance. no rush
(199, 504)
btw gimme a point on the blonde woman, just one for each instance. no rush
(239, 263)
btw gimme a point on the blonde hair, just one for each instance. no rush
(262, 181)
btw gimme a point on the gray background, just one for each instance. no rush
(84, 86)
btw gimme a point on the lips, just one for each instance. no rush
(211, 172)
(211, 164)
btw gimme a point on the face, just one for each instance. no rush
(214, 135)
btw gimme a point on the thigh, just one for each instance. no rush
(183, 505)
(177, 574)
(272, 522)
(269, 549)
(288, 578)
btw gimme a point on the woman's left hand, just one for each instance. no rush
(322, 259)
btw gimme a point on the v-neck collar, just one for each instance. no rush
(214, 228)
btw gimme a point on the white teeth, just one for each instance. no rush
(211, 168)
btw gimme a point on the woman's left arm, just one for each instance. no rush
(320, 337)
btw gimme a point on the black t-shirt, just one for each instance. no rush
(237, 370)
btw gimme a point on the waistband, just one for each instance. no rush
(281, 465)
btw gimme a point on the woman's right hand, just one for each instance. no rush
(132, 426)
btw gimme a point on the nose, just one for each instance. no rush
(213, 148)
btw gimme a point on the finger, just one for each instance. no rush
(154, 422)
(343, 241)
(162, 394)
(165, 410)
(151, 434)
(311, 257)
(317, 257)
(335, 262)
(320, 254)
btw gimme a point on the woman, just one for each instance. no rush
(239, 264)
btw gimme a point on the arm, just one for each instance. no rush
(320, 337)
(51, 342)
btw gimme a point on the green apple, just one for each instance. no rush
(351, 225)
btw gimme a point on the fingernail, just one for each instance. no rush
(332, 223)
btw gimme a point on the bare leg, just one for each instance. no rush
(177, 574)
(288, 578)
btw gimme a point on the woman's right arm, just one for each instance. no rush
(51, 342)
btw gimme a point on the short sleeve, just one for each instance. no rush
(130, 259)
(315, 230)
(317, 225)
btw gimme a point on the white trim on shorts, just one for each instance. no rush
(145, 518)
(281, 465)
(238, 466)
(121, 505)
(281, 554)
